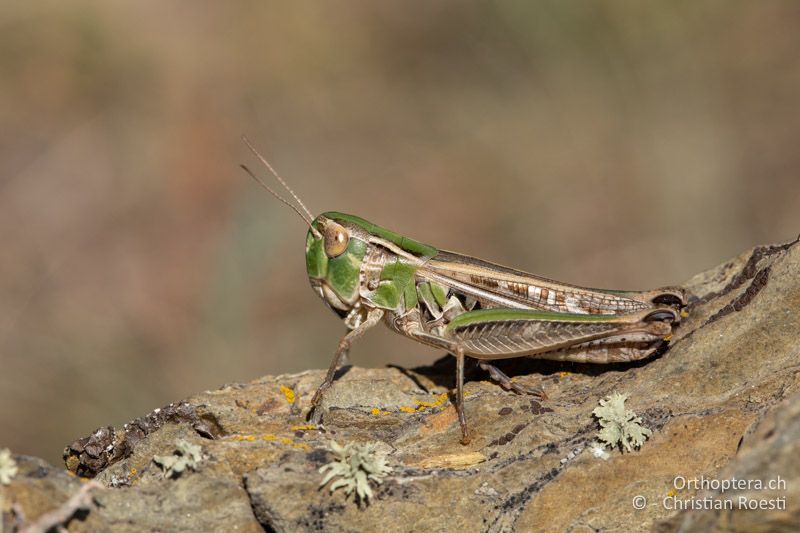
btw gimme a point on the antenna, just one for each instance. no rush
(278, 177)
(316, 233)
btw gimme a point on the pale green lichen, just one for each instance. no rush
(599, 451)
(8, 467)
(355, 466)
(620, 425)
(187, 455)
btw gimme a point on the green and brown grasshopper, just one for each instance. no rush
(470, 307)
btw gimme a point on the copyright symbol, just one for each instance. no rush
(639, 502)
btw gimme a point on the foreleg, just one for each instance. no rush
(373, 317)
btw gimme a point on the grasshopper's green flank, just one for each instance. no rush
(469, 307)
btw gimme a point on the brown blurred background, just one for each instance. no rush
(619, 144)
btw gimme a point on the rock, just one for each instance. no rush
(723, 402)
(767, 454)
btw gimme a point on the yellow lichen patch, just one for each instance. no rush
(270, 437)
(289, 393)
(133, 472)
(684, 313)
(453, 461)
(563, 374)
(440, 399)
(303, 428)
(667, 337)
(419, 406)
(671, 493)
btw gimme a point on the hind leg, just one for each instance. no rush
(504, 381)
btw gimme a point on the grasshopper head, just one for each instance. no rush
(334, 252)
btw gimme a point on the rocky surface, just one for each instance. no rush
(723, 402)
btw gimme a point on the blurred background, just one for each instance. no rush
(614, 144)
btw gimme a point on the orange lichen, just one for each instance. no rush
(439, 422)
(375, 411)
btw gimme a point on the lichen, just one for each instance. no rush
(620, 426)
(8, 467)
(438, 402)
(187, 455)
(598, 450)
(270, 437)
(355, 466)
(288, 393)
(418, 407)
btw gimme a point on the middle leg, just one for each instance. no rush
(411, 325)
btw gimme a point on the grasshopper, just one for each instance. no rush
(469, 307)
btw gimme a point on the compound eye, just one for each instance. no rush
(336, 240)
